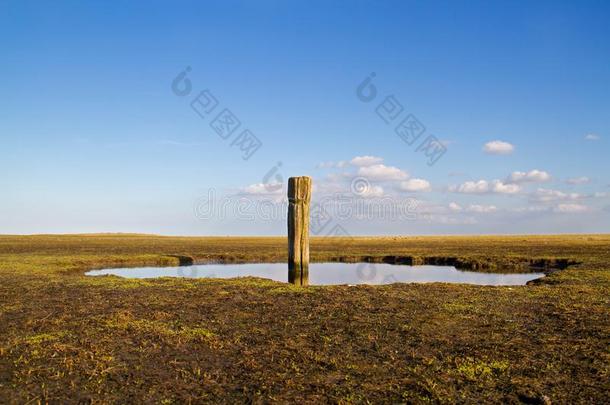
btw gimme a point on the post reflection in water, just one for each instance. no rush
(298, 274)
(328, 273)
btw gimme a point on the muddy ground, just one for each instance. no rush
(66, 337)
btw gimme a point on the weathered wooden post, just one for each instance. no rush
(299, 197)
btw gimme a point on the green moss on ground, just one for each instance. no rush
(69, 338)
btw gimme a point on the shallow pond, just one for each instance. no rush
(329, 273)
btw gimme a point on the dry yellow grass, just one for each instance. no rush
(68, 338)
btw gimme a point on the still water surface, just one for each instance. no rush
(329, 273)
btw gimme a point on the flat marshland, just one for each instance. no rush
(67, 337)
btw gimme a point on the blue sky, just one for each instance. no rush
(95, 140)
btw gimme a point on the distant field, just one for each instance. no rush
(69, 338)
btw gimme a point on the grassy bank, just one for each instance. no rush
(67, 337)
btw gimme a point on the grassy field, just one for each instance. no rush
(65, 337)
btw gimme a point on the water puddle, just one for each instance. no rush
(329, 273)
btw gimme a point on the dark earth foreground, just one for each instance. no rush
(68, 338)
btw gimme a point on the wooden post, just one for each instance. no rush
(299, 197)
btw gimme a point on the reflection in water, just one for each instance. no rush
(329, 273)
(298, 274)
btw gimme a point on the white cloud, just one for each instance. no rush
(571, 208)
(471, 187)
(448, 220)
(548, 195)
(382, 172)
(531, 208)
(498, 148)
(502, 188)
(473, 208)
(372, 192)
(366, 160)
(484, 187)
(415, 185)
(455, 207)
(481, 209)
(360, 161)
(533, 176)
(592, 137)
(578, 180)
(263, 189)
(428, 207)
